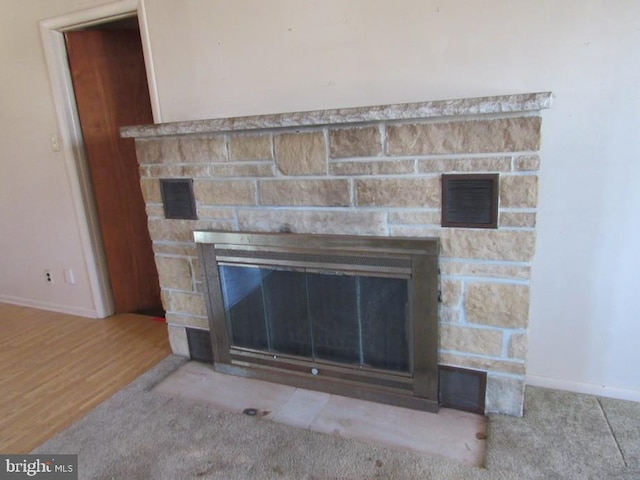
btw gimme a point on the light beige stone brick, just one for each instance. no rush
(333, 193)
(214, 213)
(415, 217)
(154, 211)
(170, 148)
(147, 151)
(242, 170)
(509, 245)
(517, 219)
(171, 230)
(150, 190)
(398, 192)
(485, 270)
(158, 150)
(179, 171)
(375, 167)
(188, 304)
(355, 142)
(174, 273)
(519, 191)
(224, 225)
(229, 192)
(410, 231)
(518, 346)
(175, 249)
(449, 315)
(465, 136)
(196, 268)
(505, 395)
(497, 304)
(451, 292)
(527, 163)
(192, 322)
(482, 363)
(444, 165)
(202, 148)
(164, 231)
(250, 147)
(301, 153)
(471, 340)
(313, 221)
(165, 296)
(178, 340)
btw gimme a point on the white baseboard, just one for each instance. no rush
(54, 307)
(586, 388)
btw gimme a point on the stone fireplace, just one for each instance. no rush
(373, 171)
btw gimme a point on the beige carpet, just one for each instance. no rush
(141, 434)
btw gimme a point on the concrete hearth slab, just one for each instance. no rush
(450, 434)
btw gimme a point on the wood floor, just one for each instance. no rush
(54, 368)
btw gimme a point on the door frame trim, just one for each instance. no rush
(71, 142)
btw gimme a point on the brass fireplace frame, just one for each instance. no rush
(415, 259)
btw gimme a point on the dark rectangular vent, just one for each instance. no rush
(470, 201)
(462, 389)
(199, 345)
(178, 199)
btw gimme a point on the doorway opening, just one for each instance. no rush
(96, 60)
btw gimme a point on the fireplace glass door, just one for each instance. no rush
(351, 319)
(356, 316)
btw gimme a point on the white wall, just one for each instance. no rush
(237, 57)
(38, 225)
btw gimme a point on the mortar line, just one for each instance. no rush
(613, 434)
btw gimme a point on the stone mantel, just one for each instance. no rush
(406, 111)
(365, 171)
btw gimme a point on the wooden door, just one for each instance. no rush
(110, 83)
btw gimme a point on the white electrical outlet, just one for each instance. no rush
(48, 276)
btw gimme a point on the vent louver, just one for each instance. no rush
(462, 389)
(199, 345)
(470, 201)
(178, 199)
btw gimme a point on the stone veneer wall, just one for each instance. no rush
(365, 171)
